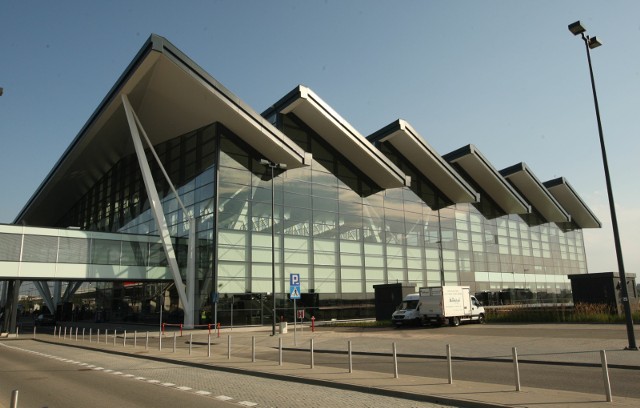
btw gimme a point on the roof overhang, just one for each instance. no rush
(489, 179)
(571, 201)
(329, 125)
(424, 158)
(521, 176)
(172, 96)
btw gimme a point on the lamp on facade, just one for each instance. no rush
(273, 166)
(590, 43)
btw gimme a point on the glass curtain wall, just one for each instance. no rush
(333, 226)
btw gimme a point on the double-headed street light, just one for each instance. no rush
(590, 43)
(273, 166)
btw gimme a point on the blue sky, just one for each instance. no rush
(506, 76)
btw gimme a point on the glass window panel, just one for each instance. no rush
(373, 249)
(351, 286)
(350, 260)
(375, 261)
(414, 263)
(350, 247)
(324, 245)
(396, 275)
(296, 257)
(325, 258)
(395, 262)
(324, 279)
(133, 253)
(106, 252)
(74, 250)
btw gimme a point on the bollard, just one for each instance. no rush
(76, 334)
(174, 342)
(54, 330)
(135, 338)
(65, 334)
(311, 352)
(90, 334)
(190, 342)
(313, 324)
(106, 336)
(14, 399)
(516, 368)
(280, 351)
(98, 336)
(34, 332)
(395, 361)
(218, 329)
(228, 347)
(605, 376)
(83, 334)
(17, 331)
(350, 359)
(180, 329)
(124, 339)
(449, 363)
(115, 335)
(253, 349)
(209, 345)
(160, 341)
(146, 341)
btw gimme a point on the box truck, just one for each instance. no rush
(407, 313)
(452, 304)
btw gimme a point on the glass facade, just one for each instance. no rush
(333, 226)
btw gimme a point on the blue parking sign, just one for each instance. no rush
(294, 279)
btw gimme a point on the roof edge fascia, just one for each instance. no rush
(386, 133)
(458, 154)
(563, 181)
(300, 93)
(522, 166)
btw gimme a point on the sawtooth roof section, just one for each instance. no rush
(404, 138)
(571, 201)
(172, 96)
(327, 123)
(521, 176)
(489, 179)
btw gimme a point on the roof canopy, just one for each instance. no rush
(172, 96)
(326, 122)
(489, 179)
(425, 159)
(542, 200)
(569, 199)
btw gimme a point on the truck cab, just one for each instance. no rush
(407, 312)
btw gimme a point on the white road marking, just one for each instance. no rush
(166, 384)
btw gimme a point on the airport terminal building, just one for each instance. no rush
(349, 211)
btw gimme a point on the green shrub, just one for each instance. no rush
(580, 313)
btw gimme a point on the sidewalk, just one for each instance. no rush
(572, 349)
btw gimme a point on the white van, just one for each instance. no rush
(407, 313)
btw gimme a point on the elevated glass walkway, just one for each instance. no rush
(31, 253)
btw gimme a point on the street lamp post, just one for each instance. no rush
(273, 166)
(592, 42)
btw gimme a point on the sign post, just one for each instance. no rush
(294, 293)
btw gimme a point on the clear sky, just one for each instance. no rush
(506, 76)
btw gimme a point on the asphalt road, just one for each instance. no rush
(47, 382)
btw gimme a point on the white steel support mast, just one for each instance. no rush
(185, 293)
